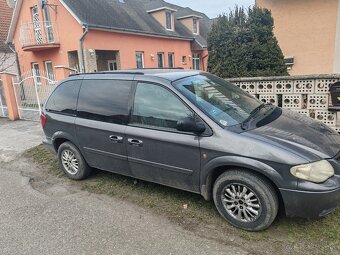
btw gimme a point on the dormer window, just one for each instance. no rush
(165, 16)
(195, 28)
(192, 22)
(168, 20)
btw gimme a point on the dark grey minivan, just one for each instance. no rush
(194, 131)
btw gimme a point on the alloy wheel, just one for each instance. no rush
(70, 162)
(241, 202)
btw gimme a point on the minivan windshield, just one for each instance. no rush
(222, 101)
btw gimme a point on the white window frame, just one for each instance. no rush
(160, 53)
(50, 76)
(36, 75)
(184, 60)
(142, 53)
(172, 54)
(48, 24)
(196, 57)
(166, 20)
(36, 25)
(195, 26)
(113, 62)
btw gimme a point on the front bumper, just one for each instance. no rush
(311, 204)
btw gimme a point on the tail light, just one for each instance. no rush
(42, 119)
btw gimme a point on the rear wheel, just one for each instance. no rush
(72, 162)
(245, 200)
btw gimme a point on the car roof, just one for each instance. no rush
(167, 74)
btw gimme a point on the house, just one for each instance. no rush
(7, 57)
(308, 33)
(92, 36)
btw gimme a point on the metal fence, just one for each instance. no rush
(31, 92)
(308, 95)
(3, 106)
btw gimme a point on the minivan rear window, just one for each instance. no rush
(104, 100)
(64, 98)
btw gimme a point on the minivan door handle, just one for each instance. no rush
(116, 139)
(135, 142)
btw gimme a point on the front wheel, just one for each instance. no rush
(245, 200)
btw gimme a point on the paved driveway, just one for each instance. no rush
(16, 137)
(54, 218)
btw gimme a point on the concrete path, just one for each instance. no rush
(16, 137)
(59, 219)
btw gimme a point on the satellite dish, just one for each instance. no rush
(41, 3)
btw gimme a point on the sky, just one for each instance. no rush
(212, 7)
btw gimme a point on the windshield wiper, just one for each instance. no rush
(245, 123)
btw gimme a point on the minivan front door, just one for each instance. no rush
(102, 114)
(157, 152)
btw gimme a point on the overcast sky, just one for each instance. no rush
(212, 7)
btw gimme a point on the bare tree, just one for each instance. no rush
(7, 61)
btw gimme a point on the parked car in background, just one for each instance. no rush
(194, 131)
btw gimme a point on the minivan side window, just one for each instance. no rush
(157, 107)
(104, 100)
(64, 98)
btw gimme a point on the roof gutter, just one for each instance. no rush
(14, 21)
(137, 32)
(81, 44)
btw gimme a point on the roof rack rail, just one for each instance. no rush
(109, 72)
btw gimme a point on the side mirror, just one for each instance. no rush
(189, 124)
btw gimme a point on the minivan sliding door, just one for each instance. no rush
(102, 114)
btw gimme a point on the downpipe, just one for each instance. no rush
(81, 44)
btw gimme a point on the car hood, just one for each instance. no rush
(300, 134)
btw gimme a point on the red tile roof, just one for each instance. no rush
(5, 21)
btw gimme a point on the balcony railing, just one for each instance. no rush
(39, 36)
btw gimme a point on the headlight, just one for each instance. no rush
(315, 172)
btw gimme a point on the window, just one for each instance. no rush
(112, 65)
(49, 70)
(157, 107)
(222, 101)
(36, 25)
(171, 60)
(289, 61)
(196, 61)
(140, 59)
(36, 73)
(48, 23)
(168, 20)
(195, 28)
(184, 60)
(64, 98)
(104, 100)
(160, 57)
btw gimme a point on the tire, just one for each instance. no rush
(72, 163)
(264, 202)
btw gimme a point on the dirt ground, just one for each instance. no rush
(192, 213)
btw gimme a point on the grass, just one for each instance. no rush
(192, 212)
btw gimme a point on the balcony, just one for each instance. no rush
(39, 36)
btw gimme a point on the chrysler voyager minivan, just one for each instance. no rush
(196, 132)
